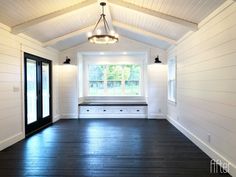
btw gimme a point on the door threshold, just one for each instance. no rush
(38, 130)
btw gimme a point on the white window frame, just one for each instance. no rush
(122, 81)
(172, 77)
(121, 61)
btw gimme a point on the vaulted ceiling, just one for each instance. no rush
(64, 23)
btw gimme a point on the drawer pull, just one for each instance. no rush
(138, 110)
(121, 110)
(104, 110)
(87, 110)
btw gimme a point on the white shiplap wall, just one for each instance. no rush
(206, 86)
(69, 88)
(157, 91)
(12, 83)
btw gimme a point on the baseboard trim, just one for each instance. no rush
(156, 116)
(69, 116)
(203, 146)
(12, 140)
(56, 118)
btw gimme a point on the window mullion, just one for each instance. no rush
(123, 80)
(105, 80)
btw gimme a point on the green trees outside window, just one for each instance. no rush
(114, 80)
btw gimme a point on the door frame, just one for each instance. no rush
(41, 122)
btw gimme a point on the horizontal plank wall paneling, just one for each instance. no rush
(157, 91)
(70, 76)
(10, 78)
(68, 91)
(206, 86)
(11, 83)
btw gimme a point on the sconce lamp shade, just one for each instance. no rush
(67, 61)
(157, 60)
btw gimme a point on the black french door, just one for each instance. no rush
(38, 91)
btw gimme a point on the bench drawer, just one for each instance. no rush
(118, 111)
(88, 109)
(138, 110)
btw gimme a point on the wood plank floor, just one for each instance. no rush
(106, 148)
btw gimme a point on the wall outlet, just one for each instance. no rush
(209, 138)
(16, 89)
(159, 110)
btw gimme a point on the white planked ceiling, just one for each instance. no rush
(191, 10)
(147, 22)
(64, 24)
(142, 38)
(71, 42)
(15, 12)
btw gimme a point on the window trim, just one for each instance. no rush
(130, 62)
(174, 102)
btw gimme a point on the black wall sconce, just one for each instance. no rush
(157, 60)
(67, 61)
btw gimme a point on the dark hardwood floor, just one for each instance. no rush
(106, 148)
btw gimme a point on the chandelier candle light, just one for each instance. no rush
(104, 35)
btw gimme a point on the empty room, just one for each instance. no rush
(118, 88)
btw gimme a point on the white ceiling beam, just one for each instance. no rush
(143, 32)
(116, 24)
(22, 27)
(68, 35)
(191, 25)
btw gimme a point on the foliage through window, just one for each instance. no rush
(114, 80)
(172, 80)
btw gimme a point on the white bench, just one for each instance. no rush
(113, 110)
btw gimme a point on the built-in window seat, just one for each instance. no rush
(113, 110)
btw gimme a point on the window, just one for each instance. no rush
(114, 80)
(172, 80)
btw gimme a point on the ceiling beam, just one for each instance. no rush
(190, 25)
(143, 32)
(23, 26)
(68, 35)
(116, 24)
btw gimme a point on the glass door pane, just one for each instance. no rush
(31, 91)
(46, 89)
(37, 93)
